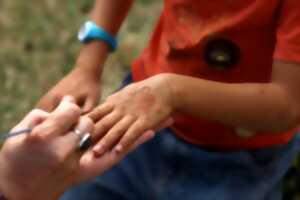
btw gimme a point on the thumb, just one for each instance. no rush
(34, 118)
(49, 102)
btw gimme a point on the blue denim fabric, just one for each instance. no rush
(167, 168)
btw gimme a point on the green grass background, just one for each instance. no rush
(38, 46)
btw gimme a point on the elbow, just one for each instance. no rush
(294, 115)
(292, 109)
(289, 118)
(287, 121)
(284, 115)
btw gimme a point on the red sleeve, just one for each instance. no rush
(288, 32)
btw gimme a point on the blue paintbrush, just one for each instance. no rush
(5, 136)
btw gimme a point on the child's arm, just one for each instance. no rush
(83, 82)
(141, 106)
(272, 107)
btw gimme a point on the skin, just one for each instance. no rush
(87, 96)
(89, 65)
(83, 82)
(32, 165)
(272, 107)
(137, 108)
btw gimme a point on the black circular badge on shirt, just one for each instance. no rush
(221, 53)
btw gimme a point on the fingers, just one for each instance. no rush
(61, 120)
(89, 104)
(34, 118)
(100, 111)
(71, 140)
(121, 133)
(90, 166)
(124, 133)
(113, 135)
(107, 123)
(148, 135)
(64, 150)
(49, 102)
(131, 135)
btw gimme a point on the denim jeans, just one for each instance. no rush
(167, 168)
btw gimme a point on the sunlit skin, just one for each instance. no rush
(124, 115)
(83, 82)
(271, 107)
(257, 107)
(46, 162)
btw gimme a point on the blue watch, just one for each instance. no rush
(91, 31)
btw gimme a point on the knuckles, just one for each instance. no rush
(111, 98)
(72, 109)
(59, 161)
(40, 133)
(142, 121)
(103, 125)
(69, 112)
(88, 123)
(37, 113)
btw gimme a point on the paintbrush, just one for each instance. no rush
(5, 136)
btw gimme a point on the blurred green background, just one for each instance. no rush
(38, 46)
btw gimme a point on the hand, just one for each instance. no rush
(91, 166)
(41, 165)
(82, 84)
(44, 163)
(127, 114)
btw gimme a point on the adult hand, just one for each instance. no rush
(127, 114)
(41, 165)
(82, 84)
(44, 163)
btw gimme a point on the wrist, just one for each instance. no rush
(85, 70)
(92, 57)
(173, 90)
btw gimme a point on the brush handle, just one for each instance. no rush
(5, 136)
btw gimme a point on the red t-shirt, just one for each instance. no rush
(262, 30)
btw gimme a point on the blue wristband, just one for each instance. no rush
(91, 31)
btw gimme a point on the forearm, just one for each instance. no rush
(109, 14)
(256, 107)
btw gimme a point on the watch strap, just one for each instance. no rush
(100, 34)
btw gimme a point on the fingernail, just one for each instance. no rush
(96, 154)
(68, 98)
(119, 148)
(98, 149)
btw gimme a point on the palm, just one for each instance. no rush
(90, 166)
